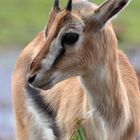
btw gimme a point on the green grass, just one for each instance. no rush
(130, 18)
(78, 133)
(20, 20)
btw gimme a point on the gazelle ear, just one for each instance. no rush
(107, 10)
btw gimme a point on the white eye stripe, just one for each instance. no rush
(76, 28)
(52, 55)
(71, 30)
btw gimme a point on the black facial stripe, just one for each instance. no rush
(43, 107)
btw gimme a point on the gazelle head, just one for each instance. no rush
(75, 38)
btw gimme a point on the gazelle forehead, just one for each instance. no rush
(66, 18)
(62, 19)
(75, 24)
(80, 10)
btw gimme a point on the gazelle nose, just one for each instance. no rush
(31, 78)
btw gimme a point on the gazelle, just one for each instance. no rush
(73, 69)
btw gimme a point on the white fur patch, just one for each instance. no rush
(54, 51)
(40, 124)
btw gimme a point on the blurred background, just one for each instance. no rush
(21, 20)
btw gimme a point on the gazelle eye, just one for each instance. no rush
(70, 38)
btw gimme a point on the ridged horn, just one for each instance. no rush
(56, 4)
(69, 5)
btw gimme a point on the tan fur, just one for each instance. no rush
(138, 74)
(107, 82)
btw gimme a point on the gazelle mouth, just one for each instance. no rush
(47, 85)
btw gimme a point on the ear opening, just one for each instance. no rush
(108, 10)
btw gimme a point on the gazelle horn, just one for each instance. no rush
(56, 4)
(69, 5)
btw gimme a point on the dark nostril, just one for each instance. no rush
(31, 78)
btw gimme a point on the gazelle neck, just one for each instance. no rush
(106, 93)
